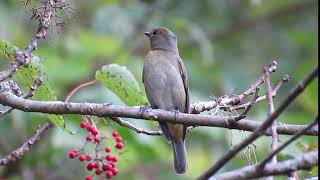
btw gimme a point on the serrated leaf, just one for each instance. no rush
(120, 80)
(8, 49)
(27, 75)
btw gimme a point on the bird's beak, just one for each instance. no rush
(147, 34)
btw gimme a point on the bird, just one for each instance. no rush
(166, 85)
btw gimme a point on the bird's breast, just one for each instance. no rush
(163, 81)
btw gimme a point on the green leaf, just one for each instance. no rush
(8, 49)
(27, 75)
(120, 80)
(314, 171)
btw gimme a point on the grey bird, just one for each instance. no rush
(166, 85)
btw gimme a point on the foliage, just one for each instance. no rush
(122, 83)
(28, 74)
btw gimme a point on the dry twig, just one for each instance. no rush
(306, 162)
(259, 131)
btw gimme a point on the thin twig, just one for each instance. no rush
(127, 124)
(234, 102)
(9, 72)
(19, 152)
(284, 79)
(89, 83)
(303, 162)
(260, 130)
(253, 101)
(289, 141)
(118, 120)
(30, 93)
(274, 134)
(22, 57)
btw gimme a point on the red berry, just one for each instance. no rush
(109, 174)
(115, 134)
(72, 155)
(109, 157)
(90, 166)
(119, 139)
(96, 165)
(75, 151)
(113, 164)
(107, 149)
(89, 157)
(98, 172)
(89, 138)
(97, 139)
(90, 128)
(107, 167)
(119, 145)
(82, 158)
(115, 171)
(83, 124)
(95, 132)
(114, 159)
(89, 178)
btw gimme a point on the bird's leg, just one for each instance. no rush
(176, 114)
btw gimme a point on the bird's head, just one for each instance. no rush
(162, 38)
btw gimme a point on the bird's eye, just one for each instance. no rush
(154, 33)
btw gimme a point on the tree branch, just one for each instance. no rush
(284, 79)
(103, 110)
(244, 113)
(305, 162)
(31, 92)
(22, 57)
(261, 129)
(274, 133)
(18, 153)
(293, 138)
(9, 72)
(237, 101)
(127, 124)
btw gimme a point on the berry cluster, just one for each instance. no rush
(100, 165)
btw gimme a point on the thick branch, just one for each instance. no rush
(265, 125)
(18, 153)
(306, 162)
(103, 110)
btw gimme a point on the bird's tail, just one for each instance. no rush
(179, 154)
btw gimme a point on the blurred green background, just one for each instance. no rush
(224, 45)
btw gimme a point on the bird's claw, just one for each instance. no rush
(176, 113)
(145, 108)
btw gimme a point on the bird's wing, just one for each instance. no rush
(185, 80)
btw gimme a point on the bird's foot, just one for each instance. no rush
(176, 114)
(146, 108)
